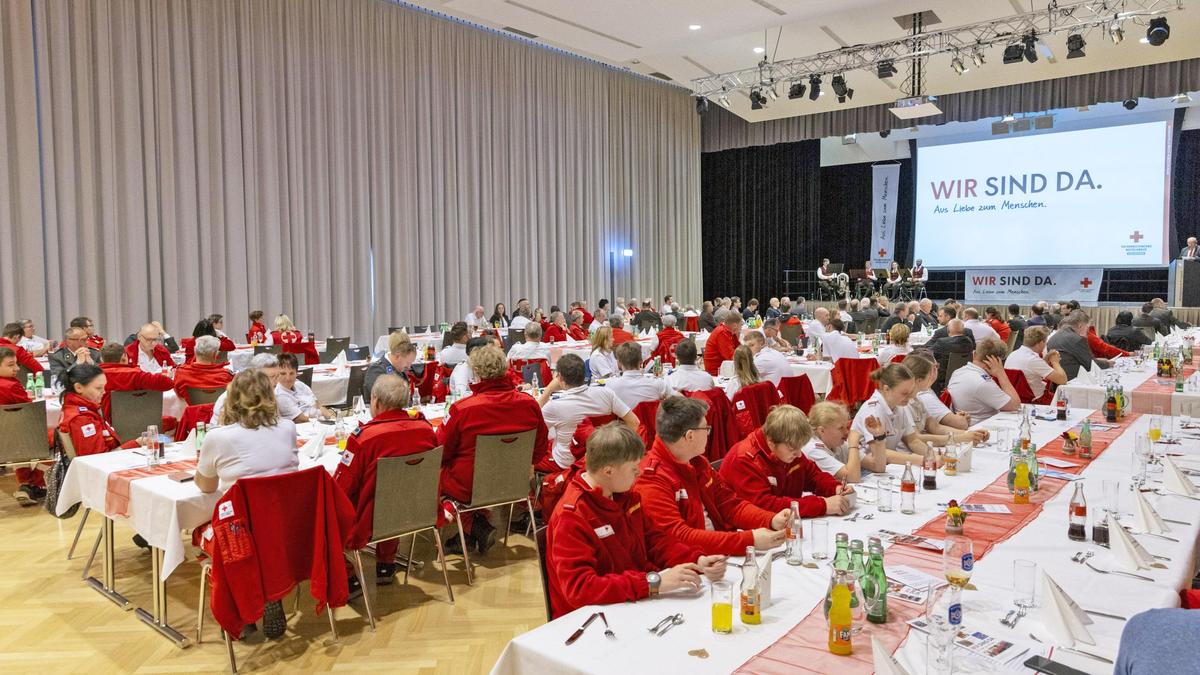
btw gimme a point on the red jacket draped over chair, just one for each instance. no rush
(758, 476)
(200, 376)
(598, 550)
(495, 407)
(24, 358)
(667, 339)
(621, 336)
(188, 345)
(124, 377)
(577, 332)
(719, 348)
(720, 418)
(676, 497)
(751, 404)
(797, 390)
(272, 532)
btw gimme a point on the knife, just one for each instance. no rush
(579, 631)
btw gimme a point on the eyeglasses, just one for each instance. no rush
(700, 429)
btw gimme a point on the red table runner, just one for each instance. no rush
(1156, 392)
(803, 648)
(116, 497)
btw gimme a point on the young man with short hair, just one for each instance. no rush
(632, 385)
(687, 376)
(576, 402)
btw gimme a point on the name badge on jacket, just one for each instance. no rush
(605, 531)
(681, 494)
(773, 481)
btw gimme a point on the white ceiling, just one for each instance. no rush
(653, 36)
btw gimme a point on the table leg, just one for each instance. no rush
(157, 618)
(107, 586)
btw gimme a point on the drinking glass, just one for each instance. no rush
(1111, 503)
(943, 612)
(958, 559)
(1155, 427)
(883, 494)
(1138, 459)
(1025, 583)
(722, 607)
(818, 535)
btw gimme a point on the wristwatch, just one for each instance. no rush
(654, 580)
(880, 437)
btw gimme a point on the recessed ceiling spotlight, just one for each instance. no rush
(759, 50)
(694, 26)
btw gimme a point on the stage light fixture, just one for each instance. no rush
(796, 91)
(723, 100)
(1031, 54)
(814, 87)
(977, 58)
(701, 105)
(1014, 53)
(1009, 118)
(757, 100)
(957, 64)
(885, 69)
(1116, 33)
(1075, 45)
(1158, 32)
(772, 92)
(1130, 103)
(841, 89)
(885, 133)
(1181, 97)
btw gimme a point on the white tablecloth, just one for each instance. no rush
(796, 591)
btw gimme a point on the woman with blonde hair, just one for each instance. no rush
(602, 362)
(897, 344)
(744, 372)
(285, 331)
(830, 422)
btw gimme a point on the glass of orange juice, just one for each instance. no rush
(1155, 428)
(722, 607)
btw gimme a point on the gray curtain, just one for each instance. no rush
(352, 163)
(723, 130)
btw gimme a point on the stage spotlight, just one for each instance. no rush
(757, 100)
(957, 64)
(814, 87)
(1181, 97)
(885, 69)
(885, 133)
(1158, 32)
(1014, 53)
(1031, 54)
(977, 58)
(773, 93)
(701, 105)
(724, 101)
(796, 91)
(1075, 45)
(839, 87)
(1130, 103)
(1009, 118)
(1116, 33)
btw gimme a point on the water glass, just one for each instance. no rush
(943, 612)
(884, 497)
(958, 560)
(722, 607)
(1111, 498)
(1025, 583)
(818, 536)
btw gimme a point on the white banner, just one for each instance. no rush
(885, 181)
(1026, 285)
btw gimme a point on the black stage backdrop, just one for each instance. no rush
(771, 208)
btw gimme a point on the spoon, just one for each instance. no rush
(675, 621)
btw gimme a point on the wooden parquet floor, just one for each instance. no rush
(51, 622)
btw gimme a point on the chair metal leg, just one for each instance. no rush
(296, 600)
(437, 540)
(200, 614)
(362, 582)
(462, 538)
(332, 623)
(508, 525)
(412, 550)
(95, 547)
(78, 531)
(529, 503)
(229, 651)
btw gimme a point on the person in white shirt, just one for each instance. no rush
(818, 325)
(475, 319)
(883, 424)
(602, 362)
(924, 369)
(532, 347)
(838, 281)
(897, 345)
(456, 352)
(463, 376)
(981, 388)
(772, 366)
(978, 328)
(633, 386)
(520, 320)
(218, 324)
(147, 339)
(618, 309)
(32, 343)
(843, 314)
(269, 365)
(828, 450)
(744, 372)
(576, 402)
(687, 376)
(1038, 365)
(836, 345)
(251, 440)
(600, 318)
(293, 398)
(770, 330)
(667, 307)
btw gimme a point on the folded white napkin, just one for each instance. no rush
(1175, 480)
(1096, 371)
(1084, 378)
(340, 359)
(1066, 620)
(189, 443)
(1127, 551)
(315, 445)
(885, 663)
(1148, 519)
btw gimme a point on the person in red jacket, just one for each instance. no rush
(722, 342)
(997, 323)
(204, 372)
(768, 468)
(602, 547)
(12, 335)
(392, 432)
(147, 351)
(94, 341)
(123, 377)
(285, 332)
(556, 331)
(668, 337)
(494, 407)
(81, 415)
(257, 335)
(1100, 348)
(680, 491)
(577, 330)
(31, 484)
(202, 328)
(620, 335)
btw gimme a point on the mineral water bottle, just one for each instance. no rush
(795, 537)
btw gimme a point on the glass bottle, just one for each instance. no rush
(1085, 440)
(1077, 530)
(929, 470)
(875, 587)
(1061, 407)
(751, 609)
(841, 621)
(908, 491)
(950, 460)
(795, 537)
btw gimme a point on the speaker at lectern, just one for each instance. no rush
(1184, 283)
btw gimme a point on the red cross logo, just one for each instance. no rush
(882, 252)
(1137, 236)
(1086, 282)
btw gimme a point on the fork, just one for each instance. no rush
(607, 631)
(1128, 574)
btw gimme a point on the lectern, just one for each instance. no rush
(1184, 283)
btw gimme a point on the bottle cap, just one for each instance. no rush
(841, 537)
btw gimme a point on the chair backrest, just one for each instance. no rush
(852, 381)
(268, 349)
(502, 463)
(23, 428)
(354, 387)
(65, 441)
(358, 353)
(751, 405)
(798, 391)
(406, 493)
(222, 357)
(397, 329)
(539, 367)
(1012, 341)
(305, 375)
(540, 535)
(646, 412)
(1021, 384)
(1148, 331)
(868, 325)
(202, 395)
(133, 411)
(791, 333)
(946, 399)
(955, 361)
(333, 347)
(515, 337)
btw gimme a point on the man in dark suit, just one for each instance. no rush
(1123, 335)
(1055, 316)
(900, 315)
(859, 315)
(1165, 316)
(1147, 319)
(1016, 323)
(955, 340)
(1037, 314)
(74, 350)
(946, 314)
(925, 312)
(1191, 251)
(1070, 341)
